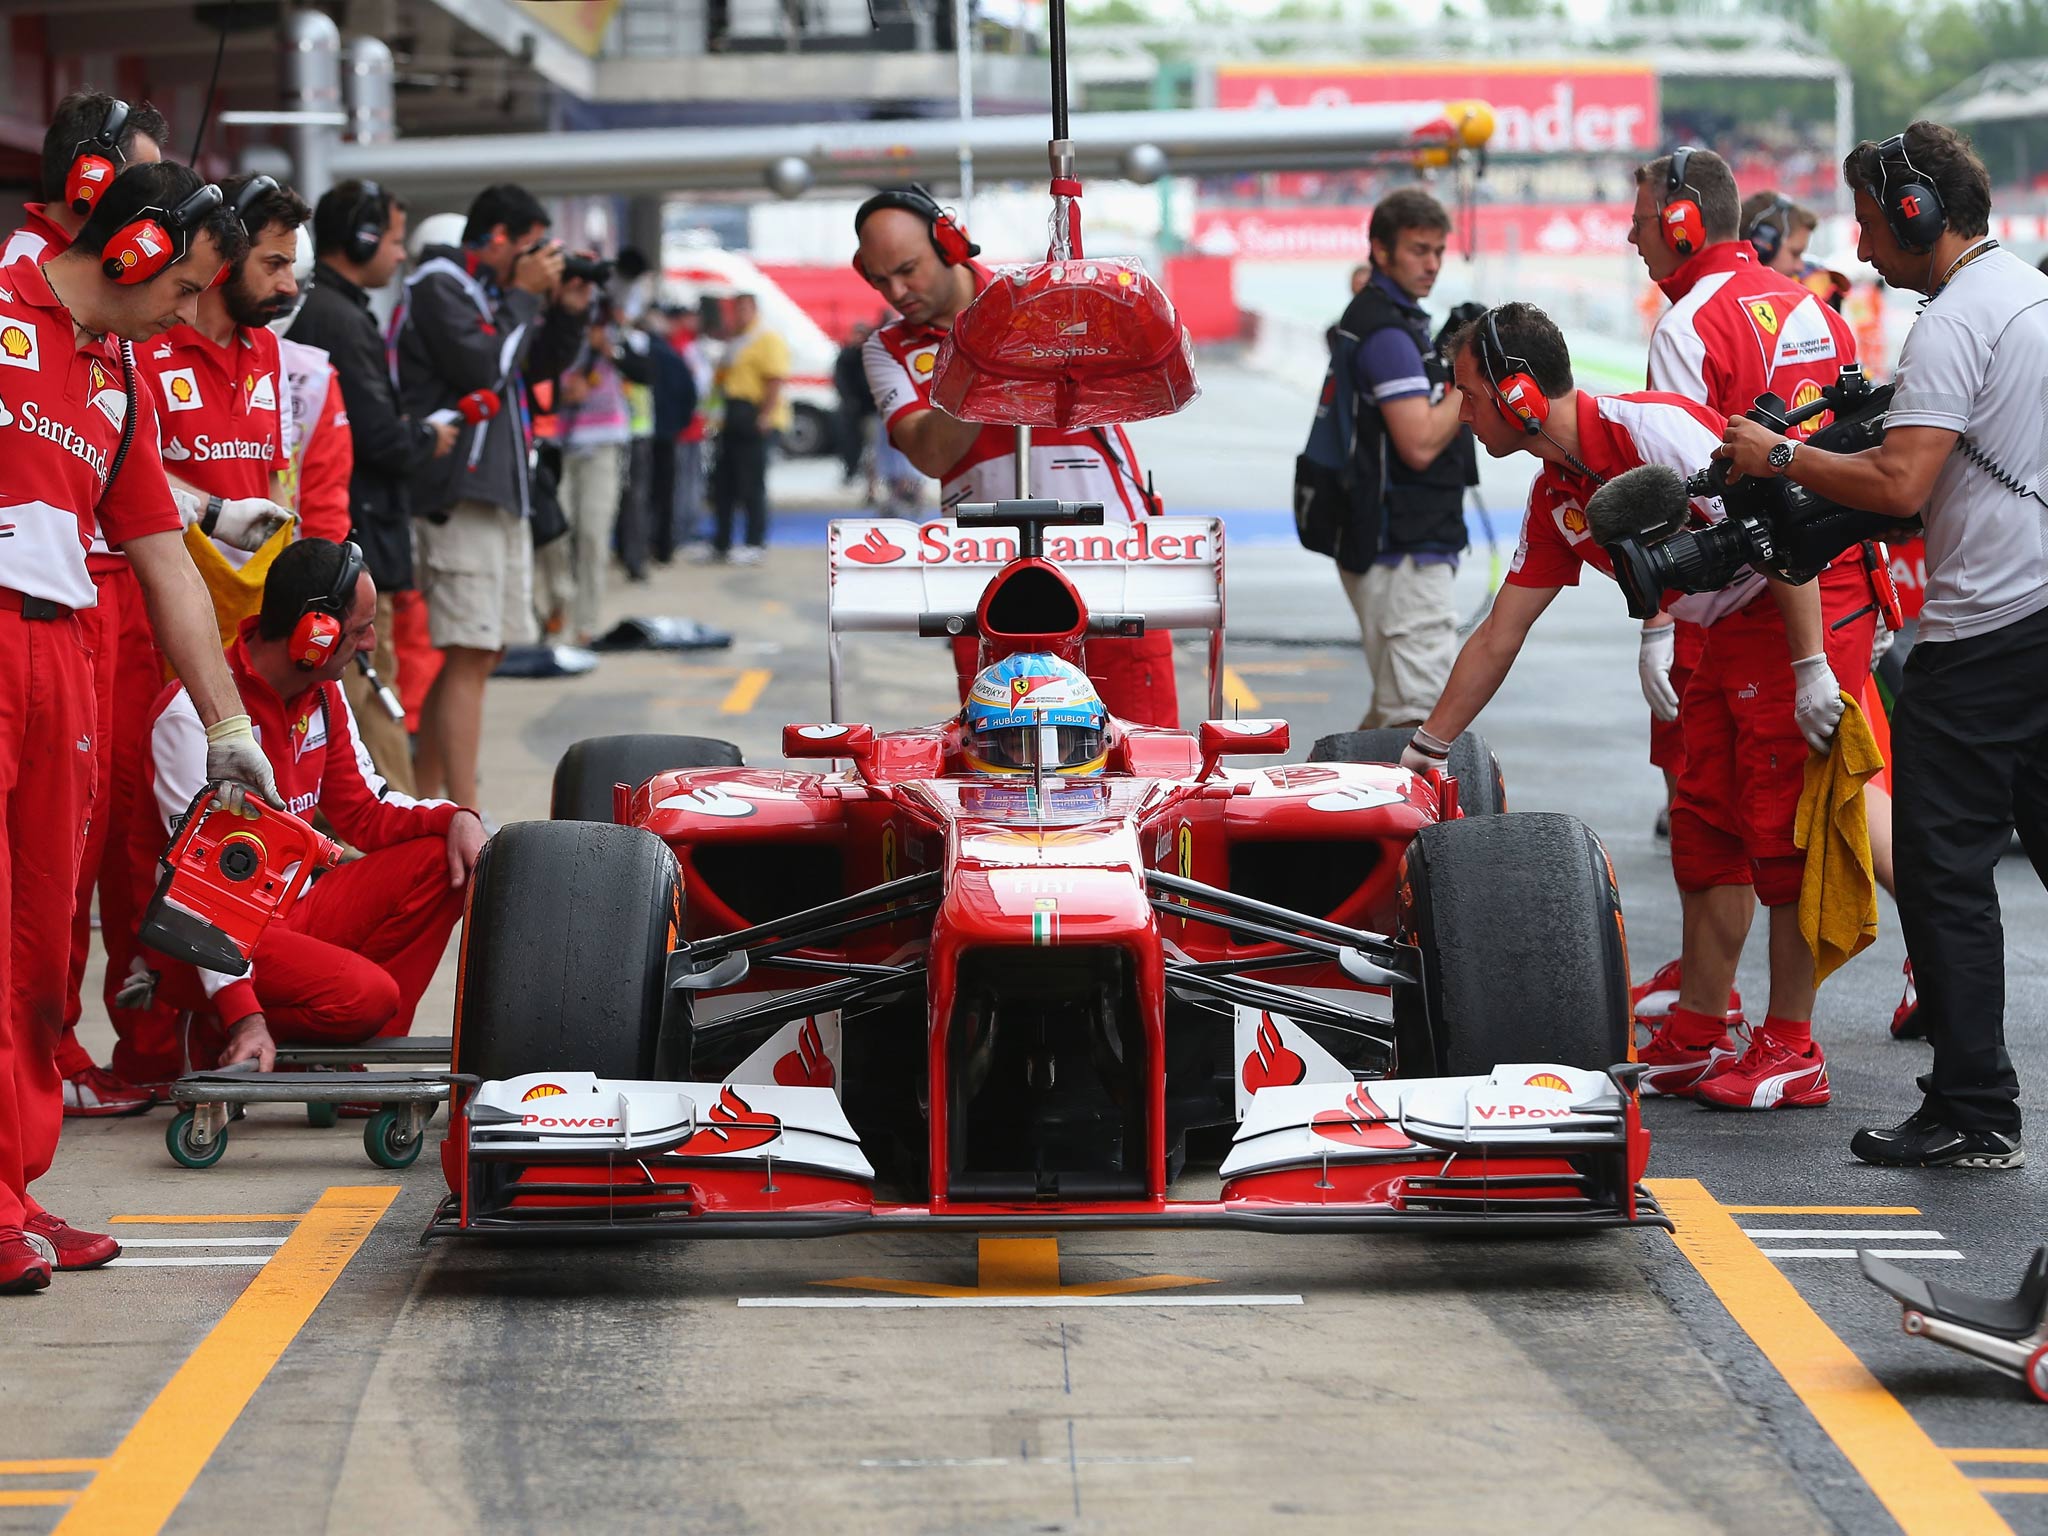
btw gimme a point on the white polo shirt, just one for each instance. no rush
(1976, 362)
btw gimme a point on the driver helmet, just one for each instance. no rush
(1034, 709)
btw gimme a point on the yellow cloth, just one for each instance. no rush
(750, 363)
(237, 591)
(1838, 891)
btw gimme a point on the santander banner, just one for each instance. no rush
(1576, 107)
(1316, 233)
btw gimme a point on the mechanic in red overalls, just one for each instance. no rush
(353, 958)
(155, 239)
(1736, 328)
(91, 137)
(1775, 695)
(917, 257)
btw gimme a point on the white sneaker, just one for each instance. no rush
(749, 554)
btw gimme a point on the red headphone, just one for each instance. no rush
(321, 621)
(97, 161)
(1516, 395)
(156, 237)
(1684, 230)
(949, 237)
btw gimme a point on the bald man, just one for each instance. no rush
(917, 257)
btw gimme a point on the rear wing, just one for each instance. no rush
(885, 574)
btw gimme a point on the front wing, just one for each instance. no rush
(1528, 1147)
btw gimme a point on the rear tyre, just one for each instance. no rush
(1481, 791)
(588, 770)
(1518, 921)
(565, 951)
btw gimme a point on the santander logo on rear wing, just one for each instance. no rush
(885, 572)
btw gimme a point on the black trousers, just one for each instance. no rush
(661, 500)
(1970, 743)
(739, 477)
(630, 535)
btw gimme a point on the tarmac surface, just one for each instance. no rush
(276, 1351)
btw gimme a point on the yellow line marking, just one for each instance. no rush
(773, 608)
(53, 1464)
(164, 1221)
(25, 1498)
(2012, 1484)
(2030, 1455)
(741, 696)
(1912, 1477)
(151, 1469)
(1236, 692)
(1822, 1210)
(1286, 668)
(1018, 1266)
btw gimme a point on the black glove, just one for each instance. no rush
(1456, 321)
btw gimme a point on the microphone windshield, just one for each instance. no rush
(1644, 503)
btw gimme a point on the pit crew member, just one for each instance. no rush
(913, 253)
(1516, 373)
(66, 411)
(354, 956)
(1735, 329)
(92, 138)
(1970, 729)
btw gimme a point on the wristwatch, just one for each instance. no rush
(211, 515)
(1781, 455)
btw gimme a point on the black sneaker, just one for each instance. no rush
(1661, 829)
(1921, 1141)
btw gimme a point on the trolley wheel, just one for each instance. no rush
(2037, 1373)
(388, 1140)
(187, 1152)
(323, 1117)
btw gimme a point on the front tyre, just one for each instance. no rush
(1481, 790)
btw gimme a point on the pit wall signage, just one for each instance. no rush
(1570, 107)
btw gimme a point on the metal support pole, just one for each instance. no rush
(1845, 139)
(1023, 460)
(963, 50)
(311, 81)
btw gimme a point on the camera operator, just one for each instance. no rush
(83, 454)
(480, 320)
(1962, 451)
(1736, 328)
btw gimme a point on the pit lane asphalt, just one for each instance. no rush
(1589, 1384)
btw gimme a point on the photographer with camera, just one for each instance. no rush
(480, 320)
(1962, 451)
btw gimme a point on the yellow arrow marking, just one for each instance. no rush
(744, 691)
(1235, 691)
(1017, 1266)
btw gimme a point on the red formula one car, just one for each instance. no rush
(714, 1000)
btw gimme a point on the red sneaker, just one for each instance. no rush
(96, 1093)
(65, 1246)
(22, 1269)
(1676, 1069)
(1654, 999)
(1769, 1075)
(1906, 1017)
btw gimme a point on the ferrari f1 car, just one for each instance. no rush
(708, 999)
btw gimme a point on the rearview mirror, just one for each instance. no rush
(853, 741)
(1239, 738)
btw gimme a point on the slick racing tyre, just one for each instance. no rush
(588, 770)
(1518, 921)
(565, 951)
(1481, 791)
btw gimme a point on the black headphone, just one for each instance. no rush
(367, 220)
(949, 238)
(1766, 231)
(1912, 208)
(256, 188)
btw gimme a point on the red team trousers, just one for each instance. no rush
(46, 782)
(349, 963)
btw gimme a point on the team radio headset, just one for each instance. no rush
(96, 161)
(1518, 397)
(1685, 231)
(367, 219)
(1766, 232)
(322, 619)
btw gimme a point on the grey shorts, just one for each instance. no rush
(476, 573)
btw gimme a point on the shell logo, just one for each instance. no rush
(16, 342)
(541, 1091)
(1574, 520)
(924, 363)
(181, 390)
(1548, 1080)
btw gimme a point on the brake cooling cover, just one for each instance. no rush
(1092, 342)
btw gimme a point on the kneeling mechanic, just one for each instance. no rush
(352, 959)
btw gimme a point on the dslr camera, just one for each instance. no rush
(1772, 525)
(592, 269)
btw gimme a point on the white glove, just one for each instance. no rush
(1424, 752)
(1880, 642)
(1654, 656)
(1818, 704)
(245, 523)
(237, 764)
(138, 987)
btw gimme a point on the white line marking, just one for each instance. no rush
(1920, 1236)
(1850, 1253)
(1148, 1299)
(200, 1242)
(895, 1462)
(255, 1261)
